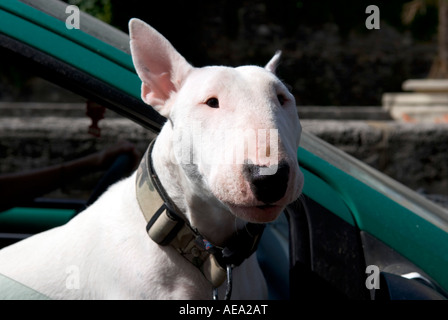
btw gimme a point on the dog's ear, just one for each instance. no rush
(273, 63)
(160, 67)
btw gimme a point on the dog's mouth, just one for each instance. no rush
(266, 206)
(257, 214)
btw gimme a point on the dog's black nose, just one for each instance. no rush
(267, 188)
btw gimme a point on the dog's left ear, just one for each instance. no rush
(273, 63)
(160, 67)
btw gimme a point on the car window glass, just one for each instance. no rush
(43, 124)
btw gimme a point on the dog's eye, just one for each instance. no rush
(281, 98)
(213, 103)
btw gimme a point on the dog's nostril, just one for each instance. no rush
(267, 188)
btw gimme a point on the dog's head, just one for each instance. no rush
(235, 131)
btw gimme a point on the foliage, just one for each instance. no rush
(439, 67)
(329, 55)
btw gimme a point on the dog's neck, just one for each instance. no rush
(198, 205)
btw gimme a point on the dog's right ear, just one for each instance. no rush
(273, 63)
(160, 67)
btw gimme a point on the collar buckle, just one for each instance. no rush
(163, 227)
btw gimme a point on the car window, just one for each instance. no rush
(44, 124)
(387, 186)
(34, 115)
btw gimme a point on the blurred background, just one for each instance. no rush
(330, 57)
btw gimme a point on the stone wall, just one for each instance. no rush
(34, 141)
(41, 135)
(415, 154)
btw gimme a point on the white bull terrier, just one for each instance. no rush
(223, 165)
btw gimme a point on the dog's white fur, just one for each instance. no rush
(105, 252)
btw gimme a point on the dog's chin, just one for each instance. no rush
(257, 214)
